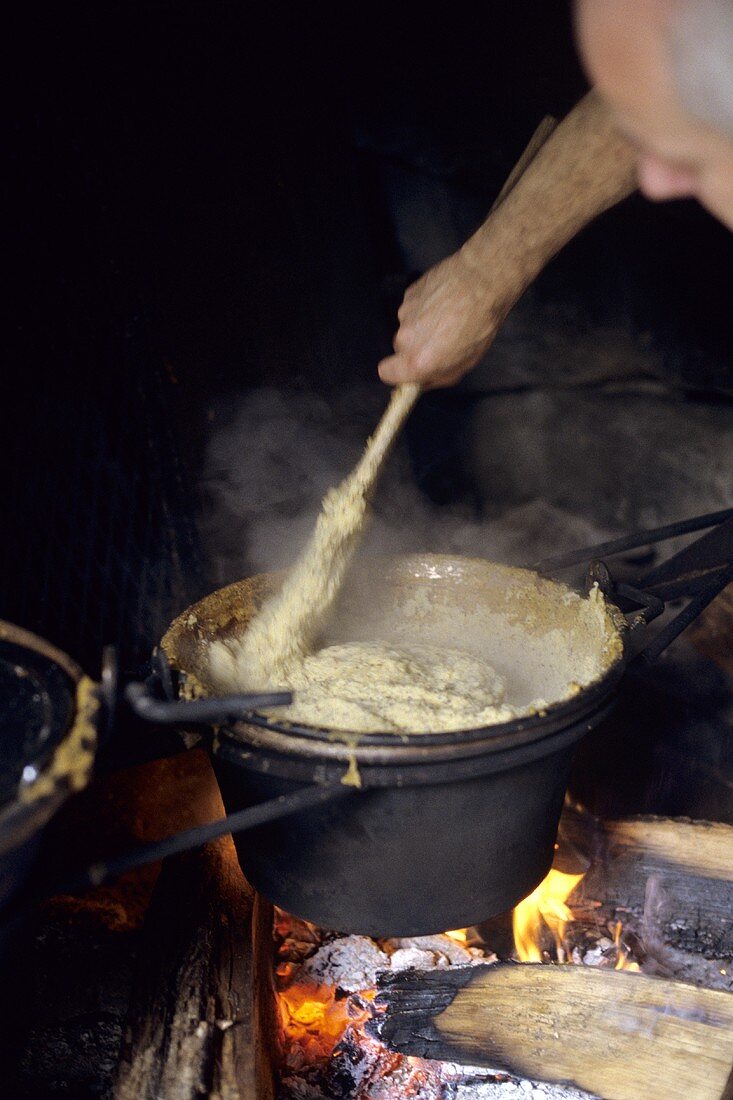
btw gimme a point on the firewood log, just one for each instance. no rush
(693, 861)
(616, 1034)
(200, 1020)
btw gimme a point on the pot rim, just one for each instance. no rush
(333, 746)
(18, 635)
(326, 740)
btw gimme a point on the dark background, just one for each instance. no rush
(198, 205)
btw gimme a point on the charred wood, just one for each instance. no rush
(609, 1032)
(197, 1019)
(691, 863)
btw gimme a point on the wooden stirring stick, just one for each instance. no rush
(284, 630)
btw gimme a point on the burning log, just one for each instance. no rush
(690, 863)
(611, 1033)
(662, 888)
(333, 1031)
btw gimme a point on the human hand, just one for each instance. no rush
(566, 176)
(448, 319)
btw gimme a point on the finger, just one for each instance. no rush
(396, 369)
(402, 340)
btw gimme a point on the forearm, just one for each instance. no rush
(583, 168)
(450, 316)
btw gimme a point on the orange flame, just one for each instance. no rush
(545, 905)
(622, 962)
(458, 935)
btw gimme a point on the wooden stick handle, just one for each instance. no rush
(535, 143)
(406, 395)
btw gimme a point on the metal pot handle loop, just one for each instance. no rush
(697, 573)
(648, 606)
(231, 708)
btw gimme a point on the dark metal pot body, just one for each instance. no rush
(405, 862)
(447, 829)
(421, 848)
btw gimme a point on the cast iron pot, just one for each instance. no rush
(414, 834)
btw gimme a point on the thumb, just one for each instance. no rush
(396, 369)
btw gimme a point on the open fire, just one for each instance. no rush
(546, 904)
(651, 895)
(326, 989)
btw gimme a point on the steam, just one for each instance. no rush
(272, 457)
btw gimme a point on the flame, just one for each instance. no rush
(460, 935)
(546, 904)
(622, 962)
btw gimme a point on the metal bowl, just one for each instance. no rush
(48, 737)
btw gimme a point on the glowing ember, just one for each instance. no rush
(545, 905)
(313, 1019)
(326, 999)
(326, 989)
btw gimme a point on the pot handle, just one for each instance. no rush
(649, 605)
(218, 711)
(698, 572)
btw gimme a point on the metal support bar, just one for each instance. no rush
(303, 799)
(705, 555)
(680, 622)
(632, 541)
(686, 585)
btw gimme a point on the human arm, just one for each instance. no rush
(450, 316)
